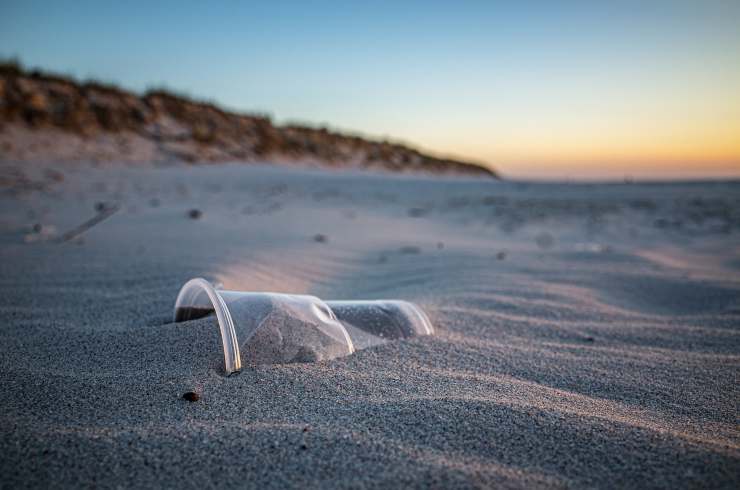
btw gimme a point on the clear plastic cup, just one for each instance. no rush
(374, 322)
(274, 328)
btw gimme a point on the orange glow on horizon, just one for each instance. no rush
(670, 152)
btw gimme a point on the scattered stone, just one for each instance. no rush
(589, 339)
(319, 238)
(501, 255)
(303, 447)
(440, 245)
(306, 428)
(195, 214)
(100, 206)
(191, 396)
(417, 212)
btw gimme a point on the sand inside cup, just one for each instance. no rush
(272, 328)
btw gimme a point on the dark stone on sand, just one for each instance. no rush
(320, 238)
(100, 206)
(303, 447)
(38, 227)
(191, 396)
(417, 212)
(589, 339)
(501, 255)
(195, 214)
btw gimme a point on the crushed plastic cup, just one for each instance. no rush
(276, 328)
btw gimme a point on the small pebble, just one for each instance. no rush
(501, 255)
(100, 206)
(589, 339)
(195, 214)
(440, 245)
(191, 396)
(320, 238)
(303, 447)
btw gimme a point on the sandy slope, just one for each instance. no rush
(46, 117)
(587, 335)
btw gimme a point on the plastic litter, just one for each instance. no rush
(274, 328)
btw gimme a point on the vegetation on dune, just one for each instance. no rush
(201, 130)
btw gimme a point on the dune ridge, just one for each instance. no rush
(46, 117)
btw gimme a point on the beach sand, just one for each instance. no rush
(587, 334)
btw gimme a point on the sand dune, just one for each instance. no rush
(587, 335)
(47, 117)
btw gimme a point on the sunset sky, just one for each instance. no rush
(535, 89)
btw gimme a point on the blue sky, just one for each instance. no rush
(533, 88)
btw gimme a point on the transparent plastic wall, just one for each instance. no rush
(273, 328)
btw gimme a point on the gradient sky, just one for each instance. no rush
(536, 89)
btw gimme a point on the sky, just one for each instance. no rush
(537, 90)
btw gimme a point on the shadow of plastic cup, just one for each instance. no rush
(275, 328)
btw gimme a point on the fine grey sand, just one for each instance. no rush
(587, 335)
